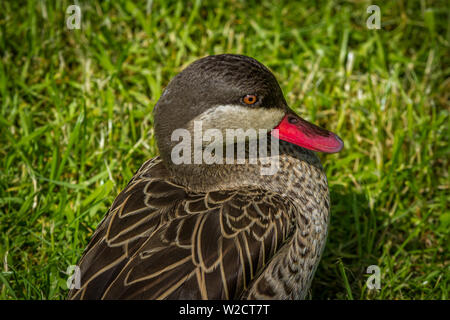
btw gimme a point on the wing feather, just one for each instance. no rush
(160, 241)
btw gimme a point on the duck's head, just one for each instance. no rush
(231, 91)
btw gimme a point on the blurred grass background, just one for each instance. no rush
(76, 123)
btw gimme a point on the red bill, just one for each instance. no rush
(300, 132)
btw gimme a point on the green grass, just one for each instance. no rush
(76, 123)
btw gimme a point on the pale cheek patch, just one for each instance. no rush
(225, 117)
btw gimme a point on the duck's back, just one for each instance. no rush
(161, 241)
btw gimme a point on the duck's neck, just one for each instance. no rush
(294, 171)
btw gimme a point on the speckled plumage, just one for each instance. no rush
(219, 232)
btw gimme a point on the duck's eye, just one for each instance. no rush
(250, 99)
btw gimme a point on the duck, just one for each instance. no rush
(221, 230)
